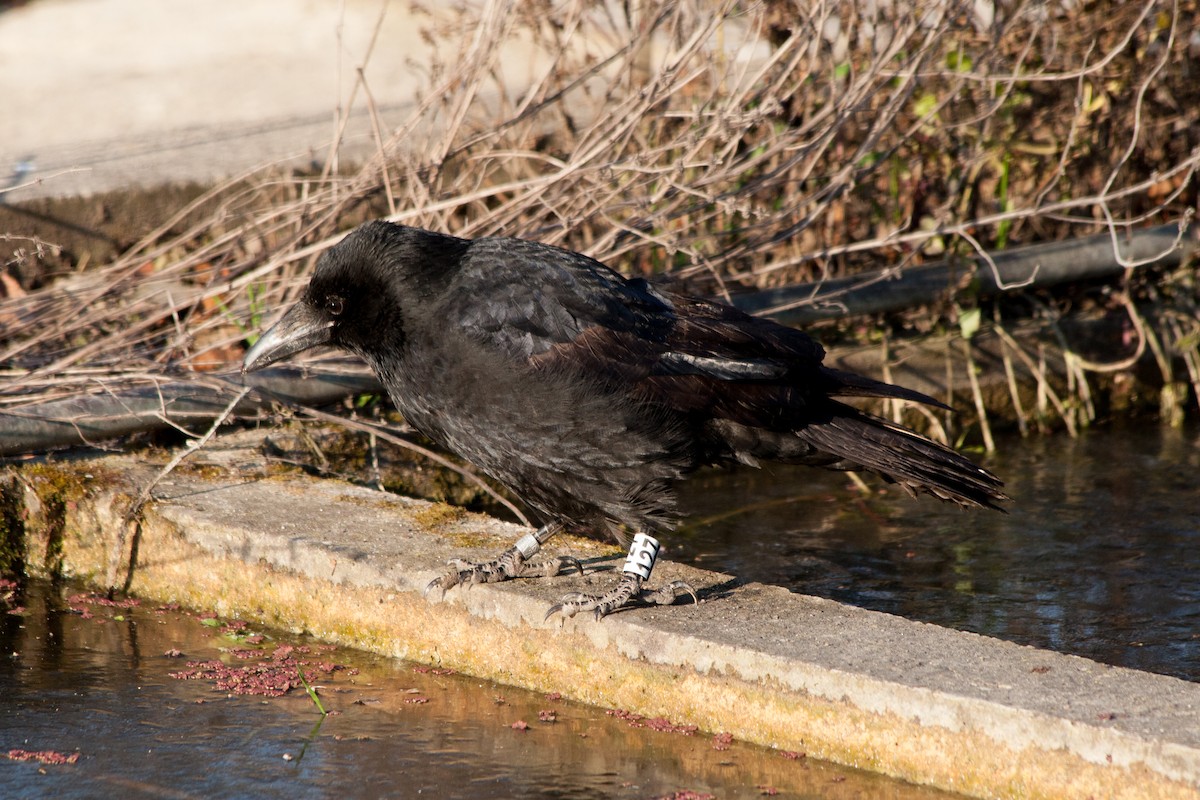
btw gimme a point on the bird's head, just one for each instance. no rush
(356, 295)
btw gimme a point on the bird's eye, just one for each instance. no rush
(334, 305)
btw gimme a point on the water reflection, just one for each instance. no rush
(1099, 555)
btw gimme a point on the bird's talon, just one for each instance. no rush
(512, 563)
(628, 592)
(435, 583)
(671, 592)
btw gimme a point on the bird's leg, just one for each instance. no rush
(628, 591)
(512, 563)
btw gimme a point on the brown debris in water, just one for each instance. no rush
(659, 724)
(274, 676)
(77, 601)
(42, 756)
(434, 670)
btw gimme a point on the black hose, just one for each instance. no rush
(95, 418)
(1036, 265)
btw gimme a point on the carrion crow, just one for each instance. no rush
(589, 394)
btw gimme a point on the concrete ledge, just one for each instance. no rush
(915, 701)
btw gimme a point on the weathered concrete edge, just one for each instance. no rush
(954, 742)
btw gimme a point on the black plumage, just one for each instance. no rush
(587, 393)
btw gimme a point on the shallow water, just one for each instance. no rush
(80, 677)
(1098, 556)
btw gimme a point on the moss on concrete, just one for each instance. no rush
(439, 515)
(13, 547)
(66, 498)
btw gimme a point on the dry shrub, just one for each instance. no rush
(724, 143)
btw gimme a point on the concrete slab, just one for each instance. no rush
(102, 94)
(949, 709)
(105, 94)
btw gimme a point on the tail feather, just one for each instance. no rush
(904, 457)
(849, 384)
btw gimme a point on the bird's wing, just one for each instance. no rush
(722, 342)
(559, 309)
(525, 298)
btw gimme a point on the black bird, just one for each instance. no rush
(589, 394)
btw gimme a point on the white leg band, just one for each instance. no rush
(528, 545)
(642, 555)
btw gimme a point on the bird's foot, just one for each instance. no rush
(512, 563)
(643, 553)
(508, 565)
(626, 594)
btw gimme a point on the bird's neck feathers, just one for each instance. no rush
(422, 261)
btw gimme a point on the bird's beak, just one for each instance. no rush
(302, 327)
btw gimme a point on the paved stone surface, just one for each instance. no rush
(105, 94)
